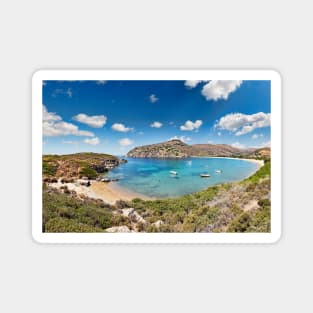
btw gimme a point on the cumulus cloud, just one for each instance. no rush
(121, 128)
(54, 126)
(238, 145)
(181, 138)
(49, 116)
(92, 141)
(192, 83)
(220, 89)
(96, 121)
(241, 124)
(189, 125)
(153, 98)
(156, 124)
(125, 142)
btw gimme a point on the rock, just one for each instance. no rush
(133, 215)
(118, 229)
(128, 211)
(158, 223)
(136, 217)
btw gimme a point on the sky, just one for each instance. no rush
(116, 116)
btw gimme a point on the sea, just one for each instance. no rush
(153, 178)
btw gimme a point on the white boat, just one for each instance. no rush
(205, 175)
(173, 173)
(218, 171)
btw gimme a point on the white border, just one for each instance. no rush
(42, 75)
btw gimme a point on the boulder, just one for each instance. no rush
(133, 215)
(118, 229)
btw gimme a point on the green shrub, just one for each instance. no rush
(88, 172)
(48, 169)
(63, 225)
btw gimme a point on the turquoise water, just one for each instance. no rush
(152, 178)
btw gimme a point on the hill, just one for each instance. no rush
(169, 149)
(178, 149)
(77, 165)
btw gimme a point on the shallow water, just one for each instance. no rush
(152, 178)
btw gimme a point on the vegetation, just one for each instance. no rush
(61, 211)
(48, 169)
(76, 165)
(232, 207)
(88, 172)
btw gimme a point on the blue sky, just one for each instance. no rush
(115, 116)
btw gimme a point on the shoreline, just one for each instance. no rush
(110, 192)
(260, 163)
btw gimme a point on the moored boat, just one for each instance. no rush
(173, 173)
(205, 175)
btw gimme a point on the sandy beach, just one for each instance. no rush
(111, 192)
(260, 163)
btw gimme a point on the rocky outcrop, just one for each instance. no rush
(133, 215)
(118, 229)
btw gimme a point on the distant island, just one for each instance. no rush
(176, 149)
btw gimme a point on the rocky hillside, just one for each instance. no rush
(168, 149)
(178, 149)
(215, 150)
(72, 166)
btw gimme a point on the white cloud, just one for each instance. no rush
(181, 138)
(53, 129)
(65, 92)
(101, 82)
(54, 126)
(192, 83)
(238, 145)
(189, 125)
(256, 136)
(125, 142)
(266, 144)
(49, 116)
(96, 121)
(70, 142)
(219, 89)
(121, 128)
(219, 134)
(156, 124)
(92, 141)
(153, 98)
(140, 133)
(211, 142)
(241, 124)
